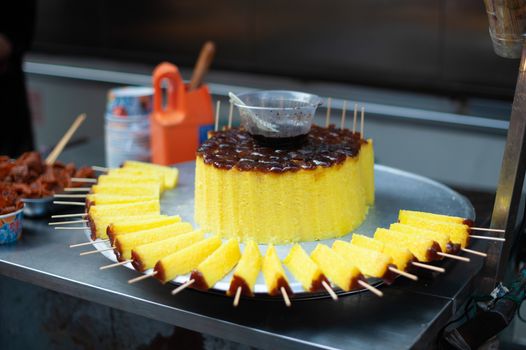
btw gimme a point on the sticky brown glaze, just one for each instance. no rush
(237, 282)
(111, 235)
(282, 282)
(452, 248)
(432, 251)
(136, 262)
(89, 204)
(322, 147)
(409, 267)
(159, 271)
(199, 280)
(389, 276)
(91, 225)
(317, 285)
(118, 250)
(468, 222)
(353, 283)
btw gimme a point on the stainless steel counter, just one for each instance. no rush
(409, 315)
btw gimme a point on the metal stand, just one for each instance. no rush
(507, 200)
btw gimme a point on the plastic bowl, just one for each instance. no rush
(11, 226)
(277, 113)
(39, 207)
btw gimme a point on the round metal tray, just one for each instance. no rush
(395, 190)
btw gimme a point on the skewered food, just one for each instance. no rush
(432, 216)
(339, 271)
(170, 175)
(111, 180)
(127, 190)
(370, 262)
(273, 272)
(126, 208)
(125, 243)
(246, 271)
(131, 225)
(424, 249)
(102, 199)
(304, 269)
(185, 260)
(146, 255)
(138, 172)
(458, 233)
(98, 224)
(441, 238)
(251, 191)
(401, 256)
(216, 265)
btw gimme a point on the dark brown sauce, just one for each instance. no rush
(118, 251)
(322, 147)
(199, 280)
(281, 283)
(92, 227)
(136, 262)
(159, 271)
(111, 233)
(431, 253)
(453, 248)
(354, 281)
(89, 204)
(317, 285)
(284, 142)
(468, 222)
(389, 276)
(237, 282)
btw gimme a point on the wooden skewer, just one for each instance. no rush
(88, 243)
(69, 203)
(329, 290)
(218, 107)
(372, 289)
(52, 157)
(143, 277)
(183, 286)
(403, 273)
(354, 119)
(115, 264)
(67, 222)
(487, 229)
(202, 65)
(489, 238)
(328, 116)
(72, 228)
(456, 257)
(429, 267)
(238, 295)
(77, 189)
(344, 110)
(475, 252)
(285, 297)
(362, 122)
(96, 251)
(100, 168)
(70, 195)
(83, 179)
(230, 112)
(68, 215)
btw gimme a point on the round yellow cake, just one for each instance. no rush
(318, 188)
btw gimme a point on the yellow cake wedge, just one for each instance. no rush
(125, 243)
(185, 260)
(403, 214)
(130, 180)
(273, 272)
(127, 190)
(247, 270)
(401, 256)
(131, 225)
(146, 256)
(458, 233)
(424, 249)
(370, 262)
(138, 172)
(102, 199)
(139, 208)
(339, 271)
(99, 223)
(170, 174)
(216, 265)
(441, 238)
(304, 269)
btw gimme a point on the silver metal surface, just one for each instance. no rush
(507, 199)
(395, 190)
(39, 207)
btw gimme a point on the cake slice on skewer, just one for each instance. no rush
(145, 256)
(99, 224)
(458, 233)
(110, 180)
(170, 174)
(246, 272)
(127, 190)
(185, 260)
(306, 271)
(122, 227)
(216, 265)
(446, 245)
(404, 214)
(275, 277)
(125, 243)
(424, 249)
(370, 262)
(103, 199)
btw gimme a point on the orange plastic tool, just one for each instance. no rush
(181, 124)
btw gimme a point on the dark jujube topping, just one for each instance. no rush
(236, 148)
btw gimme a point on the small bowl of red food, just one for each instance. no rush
(11, 214)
